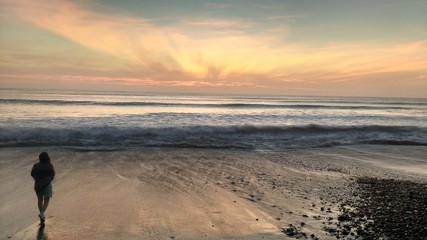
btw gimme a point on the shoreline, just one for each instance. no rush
(153, 193)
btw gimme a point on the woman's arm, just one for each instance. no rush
(53, 172)
(33, 172)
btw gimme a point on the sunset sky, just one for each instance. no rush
(289, 47)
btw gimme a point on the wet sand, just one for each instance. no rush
(194, 193)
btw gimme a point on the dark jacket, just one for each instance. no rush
(43, 174)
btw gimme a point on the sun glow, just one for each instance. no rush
(214, 51)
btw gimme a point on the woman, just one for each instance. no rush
(43, 174)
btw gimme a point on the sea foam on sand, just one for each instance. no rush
(158, 193)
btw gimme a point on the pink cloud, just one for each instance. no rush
(176, 55)
(145, 81)
(211, 22)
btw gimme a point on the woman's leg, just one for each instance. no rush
(40, 202)
(45, 204)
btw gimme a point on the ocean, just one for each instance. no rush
(113, 121)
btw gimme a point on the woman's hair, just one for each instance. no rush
(44, 157)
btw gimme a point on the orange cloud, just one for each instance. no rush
(120, 80)
(228, 57)
(211, 22)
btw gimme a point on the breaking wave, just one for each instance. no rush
(236, 136)
(330, 105)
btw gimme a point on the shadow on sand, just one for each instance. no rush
(41, 235)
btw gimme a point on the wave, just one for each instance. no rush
(236, 137)
(206, 105)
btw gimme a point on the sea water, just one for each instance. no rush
(120, 120)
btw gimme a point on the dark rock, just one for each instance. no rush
(289, 231)
(343, 218)
(384, 208)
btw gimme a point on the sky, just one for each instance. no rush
(375, 48)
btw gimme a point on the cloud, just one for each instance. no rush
(120, 36)
(125, 81)
(270, 5)
(228, 52)
(217, 5)
(211, 22)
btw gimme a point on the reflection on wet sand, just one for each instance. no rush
(41, 235)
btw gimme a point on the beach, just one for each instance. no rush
(181, 193)
(213, 120)
(192, 166)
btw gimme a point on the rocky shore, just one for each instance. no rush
(378, 209)
(384, 209)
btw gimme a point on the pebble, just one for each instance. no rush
(383, 208)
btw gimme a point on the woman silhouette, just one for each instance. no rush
(43, 174)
